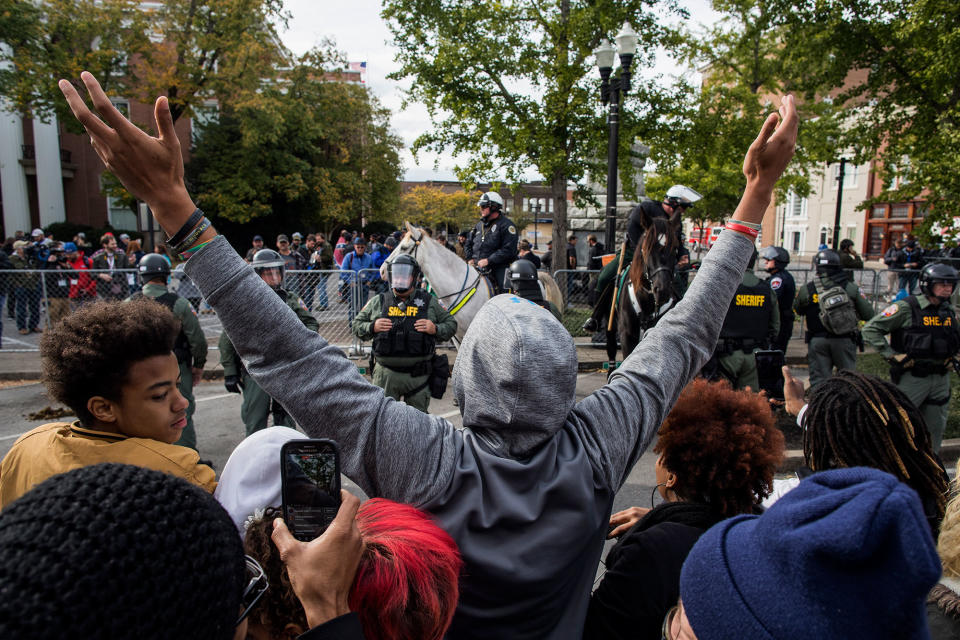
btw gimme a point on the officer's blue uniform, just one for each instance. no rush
(496, 241)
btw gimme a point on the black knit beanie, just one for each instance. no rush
(117, 551)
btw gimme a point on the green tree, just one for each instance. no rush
(434, 207)
(894, 65)
(315, 152)
(512, 85)
(743, 73)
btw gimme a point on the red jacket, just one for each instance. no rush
(82, 286)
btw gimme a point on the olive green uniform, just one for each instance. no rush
(255, 408)
(825, 350)
(184, 312)
(398, 384)
(752, 323)
(925, 381)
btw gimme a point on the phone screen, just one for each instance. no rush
(770, 373)
(311, 486)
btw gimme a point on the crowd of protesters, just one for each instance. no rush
(108, 529)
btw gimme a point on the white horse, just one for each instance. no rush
(458, 285)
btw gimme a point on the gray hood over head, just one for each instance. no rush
(520, 366)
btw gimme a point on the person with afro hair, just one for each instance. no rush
(718, 450)
(113, 365)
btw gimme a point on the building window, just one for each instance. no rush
(824, 234)
(795, 241)
(203, 114)
(850, 174)
(900, 211)
(875, 240)
(878, 211)
(796, 206)
(526, 204)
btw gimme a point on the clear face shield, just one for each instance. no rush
(272, 274)
(401, 276)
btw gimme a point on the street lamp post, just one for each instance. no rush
(611, 90)
(536, 217)
(836, 217)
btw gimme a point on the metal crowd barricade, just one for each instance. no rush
(332, 297)
(578, 289)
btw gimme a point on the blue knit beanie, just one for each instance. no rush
(846, 554)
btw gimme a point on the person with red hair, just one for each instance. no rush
(406, 587)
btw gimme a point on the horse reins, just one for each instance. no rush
(470, 290)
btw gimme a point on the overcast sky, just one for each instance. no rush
(359, 32)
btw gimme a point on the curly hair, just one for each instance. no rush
(279, 606)
(948, 545)
(858, 420)
(89, 353)
(722, 445)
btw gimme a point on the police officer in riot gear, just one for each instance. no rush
(924, 340)
(190, 346)
(751, 324)
(405, 324)
(492, 245)
(522, 280)
(257, 404)
(781, 281)
(827, 350)
(677, 199)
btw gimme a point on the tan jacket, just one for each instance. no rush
(59, 447)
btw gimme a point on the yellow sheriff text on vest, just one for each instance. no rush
(397, 311)
(816, 297)
(747, 300)
(933, 321)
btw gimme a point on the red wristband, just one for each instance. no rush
(733, 226)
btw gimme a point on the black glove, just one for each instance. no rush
(232, 383)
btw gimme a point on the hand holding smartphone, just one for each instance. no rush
(310, 482)
(770, 373)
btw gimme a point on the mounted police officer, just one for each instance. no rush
(677, 199)
(828, 348)
(781, 281)
(522, 280)
(257, 405)
(405, 324)
(190, 346)
(492, 244)
(924, 340)
(751, 324)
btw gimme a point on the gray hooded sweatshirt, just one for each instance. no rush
(527, 487)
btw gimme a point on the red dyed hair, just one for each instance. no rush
(407, 583)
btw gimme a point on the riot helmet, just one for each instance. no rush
(778, 255)
(827, 261)
(403, 273)
(153, 265)
(521, 278)
(490, 199)
(681, 196)
(269, 265)
(936, 274)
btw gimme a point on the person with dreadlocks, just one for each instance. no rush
(857, 420)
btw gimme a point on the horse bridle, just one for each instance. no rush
(465, 289)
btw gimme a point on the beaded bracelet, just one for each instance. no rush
(733, 226)
(196, 233)
(185, 255)
(191, 222)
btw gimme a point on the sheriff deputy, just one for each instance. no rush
(405, 324)
(924, 340)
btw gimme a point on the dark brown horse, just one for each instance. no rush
(649, 290)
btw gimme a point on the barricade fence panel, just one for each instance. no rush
(578, 290)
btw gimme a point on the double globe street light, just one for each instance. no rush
(611, 91)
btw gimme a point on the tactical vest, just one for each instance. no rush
(402, 339)
(932, 334)
(181, 347)
(748, 317)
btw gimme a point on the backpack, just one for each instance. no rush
(837, 312)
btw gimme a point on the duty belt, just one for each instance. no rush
(422, 368)
(726, 346)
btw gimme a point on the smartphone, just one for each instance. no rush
(770, 372)
(310, 483)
